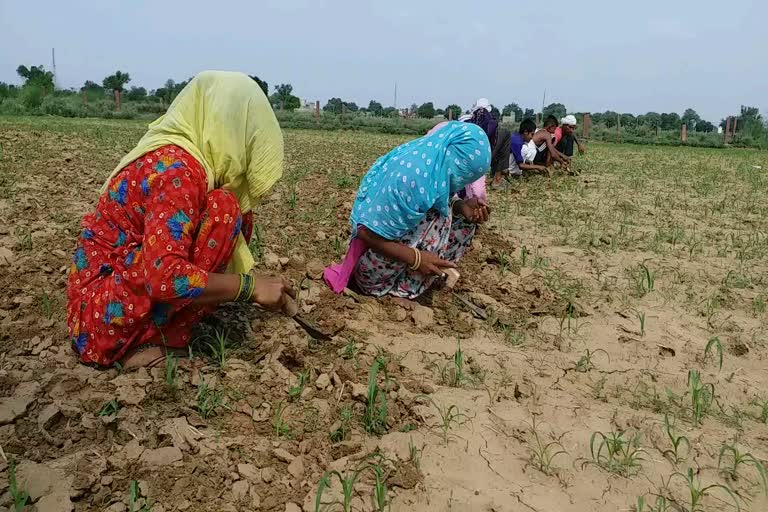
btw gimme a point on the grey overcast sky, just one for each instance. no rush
(591, 55)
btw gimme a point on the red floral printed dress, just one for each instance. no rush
(144, 255)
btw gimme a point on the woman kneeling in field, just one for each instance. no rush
(408, 224)
(150, 261)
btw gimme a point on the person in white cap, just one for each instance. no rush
(565, 136)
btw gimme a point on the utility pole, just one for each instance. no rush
(53, 64)
(395, 96)
(543, 101)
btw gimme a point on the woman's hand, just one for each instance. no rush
(269, 292)
(474, 210)
(432, 264)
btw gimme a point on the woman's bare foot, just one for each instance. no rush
(149, 357)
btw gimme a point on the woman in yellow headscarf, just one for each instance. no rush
(167, 240)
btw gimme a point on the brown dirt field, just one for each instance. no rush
(602, 292)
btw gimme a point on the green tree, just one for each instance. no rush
(455, 111)
(529, 114)
(628, 120)
(136, 94)
(705, 126)
(7, 91)
(610, 118)
(554, 109)
(351, 106)
(690, 118)
(750, 123)
(333, 106)
(284, 98)
(263, 84)
(670, 121)
(36, 76)
(426, 110)
(390, 112)
(117, 81)
(652, 119)
(375, 108)
(513, 108)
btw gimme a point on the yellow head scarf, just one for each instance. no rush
(225, 121)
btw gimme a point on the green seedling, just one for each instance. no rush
(738, 458)
(615, 453)
(133, 497)
(641, 319)
(46, 305)
(585, 364)
(291, 197)
(494, 391)
(758, 305)
(172, 371)
(257, 242)
(209, 400)
(294, 392)
(661, 505)
(714, 343)
(380, 491)
(702, 396)
(19, 496)
(279, 426)
(25, 241)
(415, 454)
(452, 374)
(523, 255)
(350, 349)
(677, 441)
(543, 453)
(347, 488)
(345, 417)
(375, 414)
(110, 408)
(511, 336)
(644, 279)
(503, 261)
(763, 415)
(217, 343)
(697, 492)
(450, 417)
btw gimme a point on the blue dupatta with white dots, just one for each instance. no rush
(403, 185)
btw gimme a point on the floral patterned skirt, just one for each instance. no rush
(447, 236)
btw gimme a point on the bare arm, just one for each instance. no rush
(554, 152)
(532, 167)
(430, 262)
(268, 291)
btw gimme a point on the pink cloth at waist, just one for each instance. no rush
(337, 276)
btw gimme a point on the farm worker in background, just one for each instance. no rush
(408, 223)
(150, 261)
(565, 136)
(516, 162)
(543, 141)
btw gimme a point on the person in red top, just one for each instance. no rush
(152, 258)
(565, 137)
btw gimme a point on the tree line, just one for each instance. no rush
(39, 83)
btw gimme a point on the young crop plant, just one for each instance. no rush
(614, 453)
(697, 492)
(585, 364)
(375, 414)
(702, 396)
(675, 453)
(730, 453)
(543, 453)
(714, 344)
